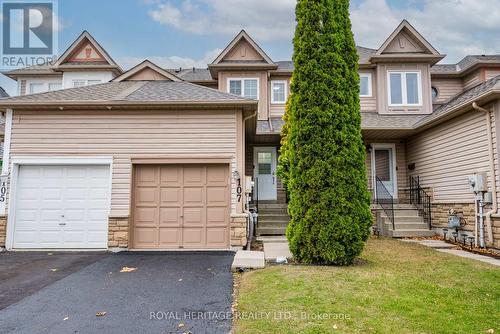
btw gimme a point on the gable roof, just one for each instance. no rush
(243, 35)
(413, 33)
(422, 51)
(3, 93)
(85, 36)
(131, 93)
(147, 64)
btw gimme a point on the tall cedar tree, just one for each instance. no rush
(322, 160)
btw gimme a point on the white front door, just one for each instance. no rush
(265, 172)
(62, 207)
(384, 167)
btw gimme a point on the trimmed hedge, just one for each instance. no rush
(322, 162)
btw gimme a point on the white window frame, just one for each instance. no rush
(404, 91)
(54, 83)
(285, 84)
(369, 76)
(242, 80)
(42, 84)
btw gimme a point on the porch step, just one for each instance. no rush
(412, 233)
(274, 216)
(272, 206)
(411, 226)
(271, 231)
(271, 211)
(280, 238)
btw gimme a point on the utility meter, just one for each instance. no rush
(478, 183)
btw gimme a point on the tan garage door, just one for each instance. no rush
(181, 206)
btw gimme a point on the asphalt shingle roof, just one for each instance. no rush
(466, 63)
(193, 74)
(131, 91)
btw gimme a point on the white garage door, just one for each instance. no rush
(62, 207)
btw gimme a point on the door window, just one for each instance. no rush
(265, 160)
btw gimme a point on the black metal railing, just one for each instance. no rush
(384, 198)
(421, 200)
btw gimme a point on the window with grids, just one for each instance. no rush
(279, 91)
(248, 88)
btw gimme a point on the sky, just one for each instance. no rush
(186, 33)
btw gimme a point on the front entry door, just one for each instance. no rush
(384, 167)
(265, 172)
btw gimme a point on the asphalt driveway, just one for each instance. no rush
(177, 292)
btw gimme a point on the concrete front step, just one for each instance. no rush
(273, 206)
(406, 212)
(265, 211)
(409, 219)
(271, 231)
(411, 233)
(279, 238)
(410, 226)
(279, 217)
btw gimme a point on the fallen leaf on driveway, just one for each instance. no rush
(127, 270)
(180, 279)
(180, 325)
(100, 314)
(53, 269)
(49, 253)
(188, 332)
(66, 318)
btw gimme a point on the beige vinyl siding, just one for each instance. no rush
(125, 135)
(472, 79)
(491, 73)
(369, 104)
(445, 155)
(447, 88)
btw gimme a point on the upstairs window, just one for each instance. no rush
(365, 84)
(82, 83)
(36, 87)
(54, 86)
(248, 88)
(405, 88)
(278, 91)
(79, 83)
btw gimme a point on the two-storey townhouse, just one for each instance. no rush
(157, 158)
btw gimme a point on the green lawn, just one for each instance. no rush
(395, 287)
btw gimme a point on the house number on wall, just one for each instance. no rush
(3, 191)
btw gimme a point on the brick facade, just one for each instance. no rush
(238, 226)
(3, 230)
(118, 228)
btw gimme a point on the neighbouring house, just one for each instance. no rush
(155, 158)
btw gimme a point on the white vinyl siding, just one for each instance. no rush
(278, 91)
(404, 88)
(248, 88)
(365, 85)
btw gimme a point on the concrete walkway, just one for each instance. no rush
(248, 260)
(275, 250)
(447, 248)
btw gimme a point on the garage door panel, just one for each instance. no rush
(145, 237)
(217, 196)
(147, 176)
(57, 207)
(170, 237)
(217, 176)
(170, 217)
(193, 237)
(146, 196)
(217, 237)
(170, 197)
(194, 216)
(194, 175)
(193, 208)
(217, 216)
(145, 216)
(171, 176)
(194, 196)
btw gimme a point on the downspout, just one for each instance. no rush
(492, 171)
(250, 217)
